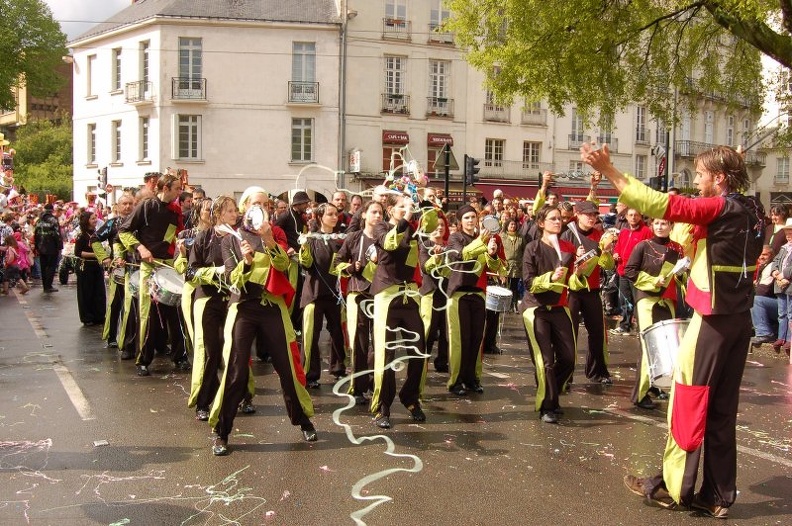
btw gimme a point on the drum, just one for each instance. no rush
(492, 224)
(661, 341)
(134, 283)
(118, 275)
(166, 286)
(499, 299)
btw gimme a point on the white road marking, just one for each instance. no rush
(73, 390)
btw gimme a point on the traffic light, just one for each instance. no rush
(471, 170)
(101, 183)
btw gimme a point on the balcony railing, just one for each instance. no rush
(781, 180)
(304, 92)
(535, 118)
(641, 135)
(140, 91)
(576, 140)
(395, 103)
(612, 142)
(186, 88)
(496, 113)
(756, 159)
(440, 37)
(396, 28)
(521, 170)
(690, 149)
(439, 107)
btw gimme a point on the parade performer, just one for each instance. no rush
(547, 273)
(255, 267)
(702, 413)
(91, 301)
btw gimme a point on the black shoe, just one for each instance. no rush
(142, 370)
(360, 400)
(112, 345)
(757, 341)
(458, 390)
(219, 447)
(202, 415)
(183, 365)
(313, 384)
(127, 355)
(339, 374)
(646, 403)
(382, 421)
(309, 432)
(476, 388)
(51, 289)
(441, 368)
(715, 511)
(606, 380)
(558, 411)
(493, 350)
(549, 417)
(417, 413)
(247, 407)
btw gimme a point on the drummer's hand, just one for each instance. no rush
(547, 179)
(558, 274)
(145, 254)
(119, 263)
(438, 249)
(106, 262)
(492, 246)
(182, 248)
(247, 251)
(660, 282)
(485, 235)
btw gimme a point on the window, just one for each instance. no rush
(303, 62)
(709, 127)
(531, 155)
(782, 175)
(533, 108)
(190, 58)
(116, 69)
(144, 61)
(302, 140)
(91, 144)
(640, 167)
(90, 74)
(746, 131)
(390, 152)
(577, 125)
(438, 78)
(640, 125)
(493, 152)
(576, 167)
(115, 154)
(396, 9)
(438, 14)
(144, 139)
(686, 125)
(730, 130)
(188, 140)
(395, 68)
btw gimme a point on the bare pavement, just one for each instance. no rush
(85, 441)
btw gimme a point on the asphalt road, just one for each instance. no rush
(83, 440)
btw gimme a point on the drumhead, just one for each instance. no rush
(498, 291)
(255, 217)
(168, 279)
(492, 224)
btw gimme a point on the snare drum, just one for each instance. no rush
(134, 283)
(661, 341)
(499, 299)
(166, 286)
(118, 275)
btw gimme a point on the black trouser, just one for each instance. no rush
(361, 327)
(49, 265)
(490, 339)
(314, 313)
(589, 304)
(113, 315)
(438, 330)
(159, 332)
(251, 319)
(209, 323)
(627, 302)
(91, 301)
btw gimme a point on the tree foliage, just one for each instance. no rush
(43, 160)
(602, 55)
(31, 46)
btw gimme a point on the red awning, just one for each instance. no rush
(439, 139)
(395, 137)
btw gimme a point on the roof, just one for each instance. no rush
(296, 11)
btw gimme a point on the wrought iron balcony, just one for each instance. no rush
(756, 159)
(437, 36)
(439, 107)
(690, 149)
(576, 140)
(781, 180)
(304, 92)
(396, 28)
(139, 92)
(496, 113)
(187, 88)
(534, 118)
(610, 140)
(523, 170)
(395, 103)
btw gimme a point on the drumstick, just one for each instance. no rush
(228, 230)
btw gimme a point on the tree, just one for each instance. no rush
(602, 55)
(43, 160)
(31, 46)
